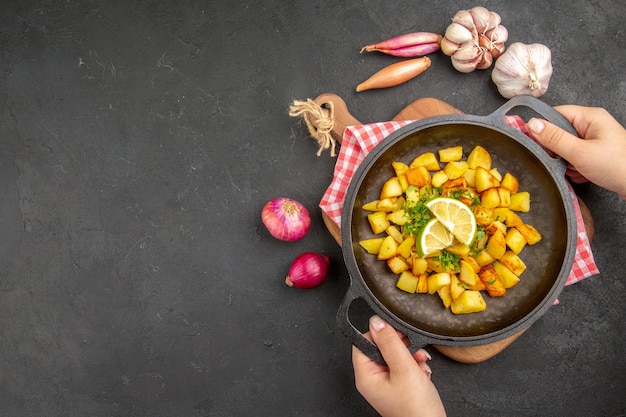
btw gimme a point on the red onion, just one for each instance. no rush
(308, 270)
(286, 219)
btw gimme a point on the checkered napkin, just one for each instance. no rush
(359, 140)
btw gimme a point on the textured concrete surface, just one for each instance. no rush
(138, 143)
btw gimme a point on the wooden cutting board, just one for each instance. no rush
(420, 109)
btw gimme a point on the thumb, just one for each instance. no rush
(553, 138)
(395, 353)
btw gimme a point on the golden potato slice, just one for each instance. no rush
(470, 177)
(404, 182)
(427, 160)
(500, 214)
(398, 217)
(479, 157)
(468, 302)
(399, 203)
(451, 154)
(418, 176)
(438, 179)
(505, 196)
(507, 277)
(455, 169)
(520, 202)
(483, 215)
(422, 285)
(510, 183)
(419, 266)
(412, 196)
(459, 248)
(496, 246)
(397, 265)
(472, 261)
(407, 282)
(484, 258)
(399, 168)
(434, 265)
(484, 180)
(388, 249)
(391, 188)
(436, 281)
(500, 226)
(456, 287)
(490, 278)
(490, 198)
(378, 222)
(370, 206)
(407, 245)
(515, 240)
(513, 219)
(372, 246)
(444, 294)
(496, 174)
(386, 204)
(513, 262)
(529, 232)
(395, 233)
(468, 274)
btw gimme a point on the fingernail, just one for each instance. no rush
(427, 369)
(536, 126)
(377, 323)
(426, 354)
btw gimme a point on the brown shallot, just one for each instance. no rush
(395, 74)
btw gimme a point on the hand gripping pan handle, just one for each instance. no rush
(541, 108)
(358, 339)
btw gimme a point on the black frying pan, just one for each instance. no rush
(423, 318)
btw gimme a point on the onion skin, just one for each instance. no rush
(308, 270)
(395, 74)
(286, 219)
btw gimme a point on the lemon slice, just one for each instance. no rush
(455, 216)
(433, 238)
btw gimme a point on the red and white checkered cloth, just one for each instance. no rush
(359, 140)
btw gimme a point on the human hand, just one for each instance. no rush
(402, 388)
(598, 155)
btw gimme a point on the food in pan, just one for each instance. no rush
(454, 231)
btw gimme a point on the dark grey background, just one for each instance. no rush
(138, 143)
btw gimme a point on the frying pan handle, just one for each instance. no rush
(356, 337)
(543, 109)
(359, 340)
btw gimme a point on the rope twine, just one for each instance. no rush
(324, 117)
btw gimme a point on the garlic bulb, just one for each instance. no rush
(474, 39)
(523, 69)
